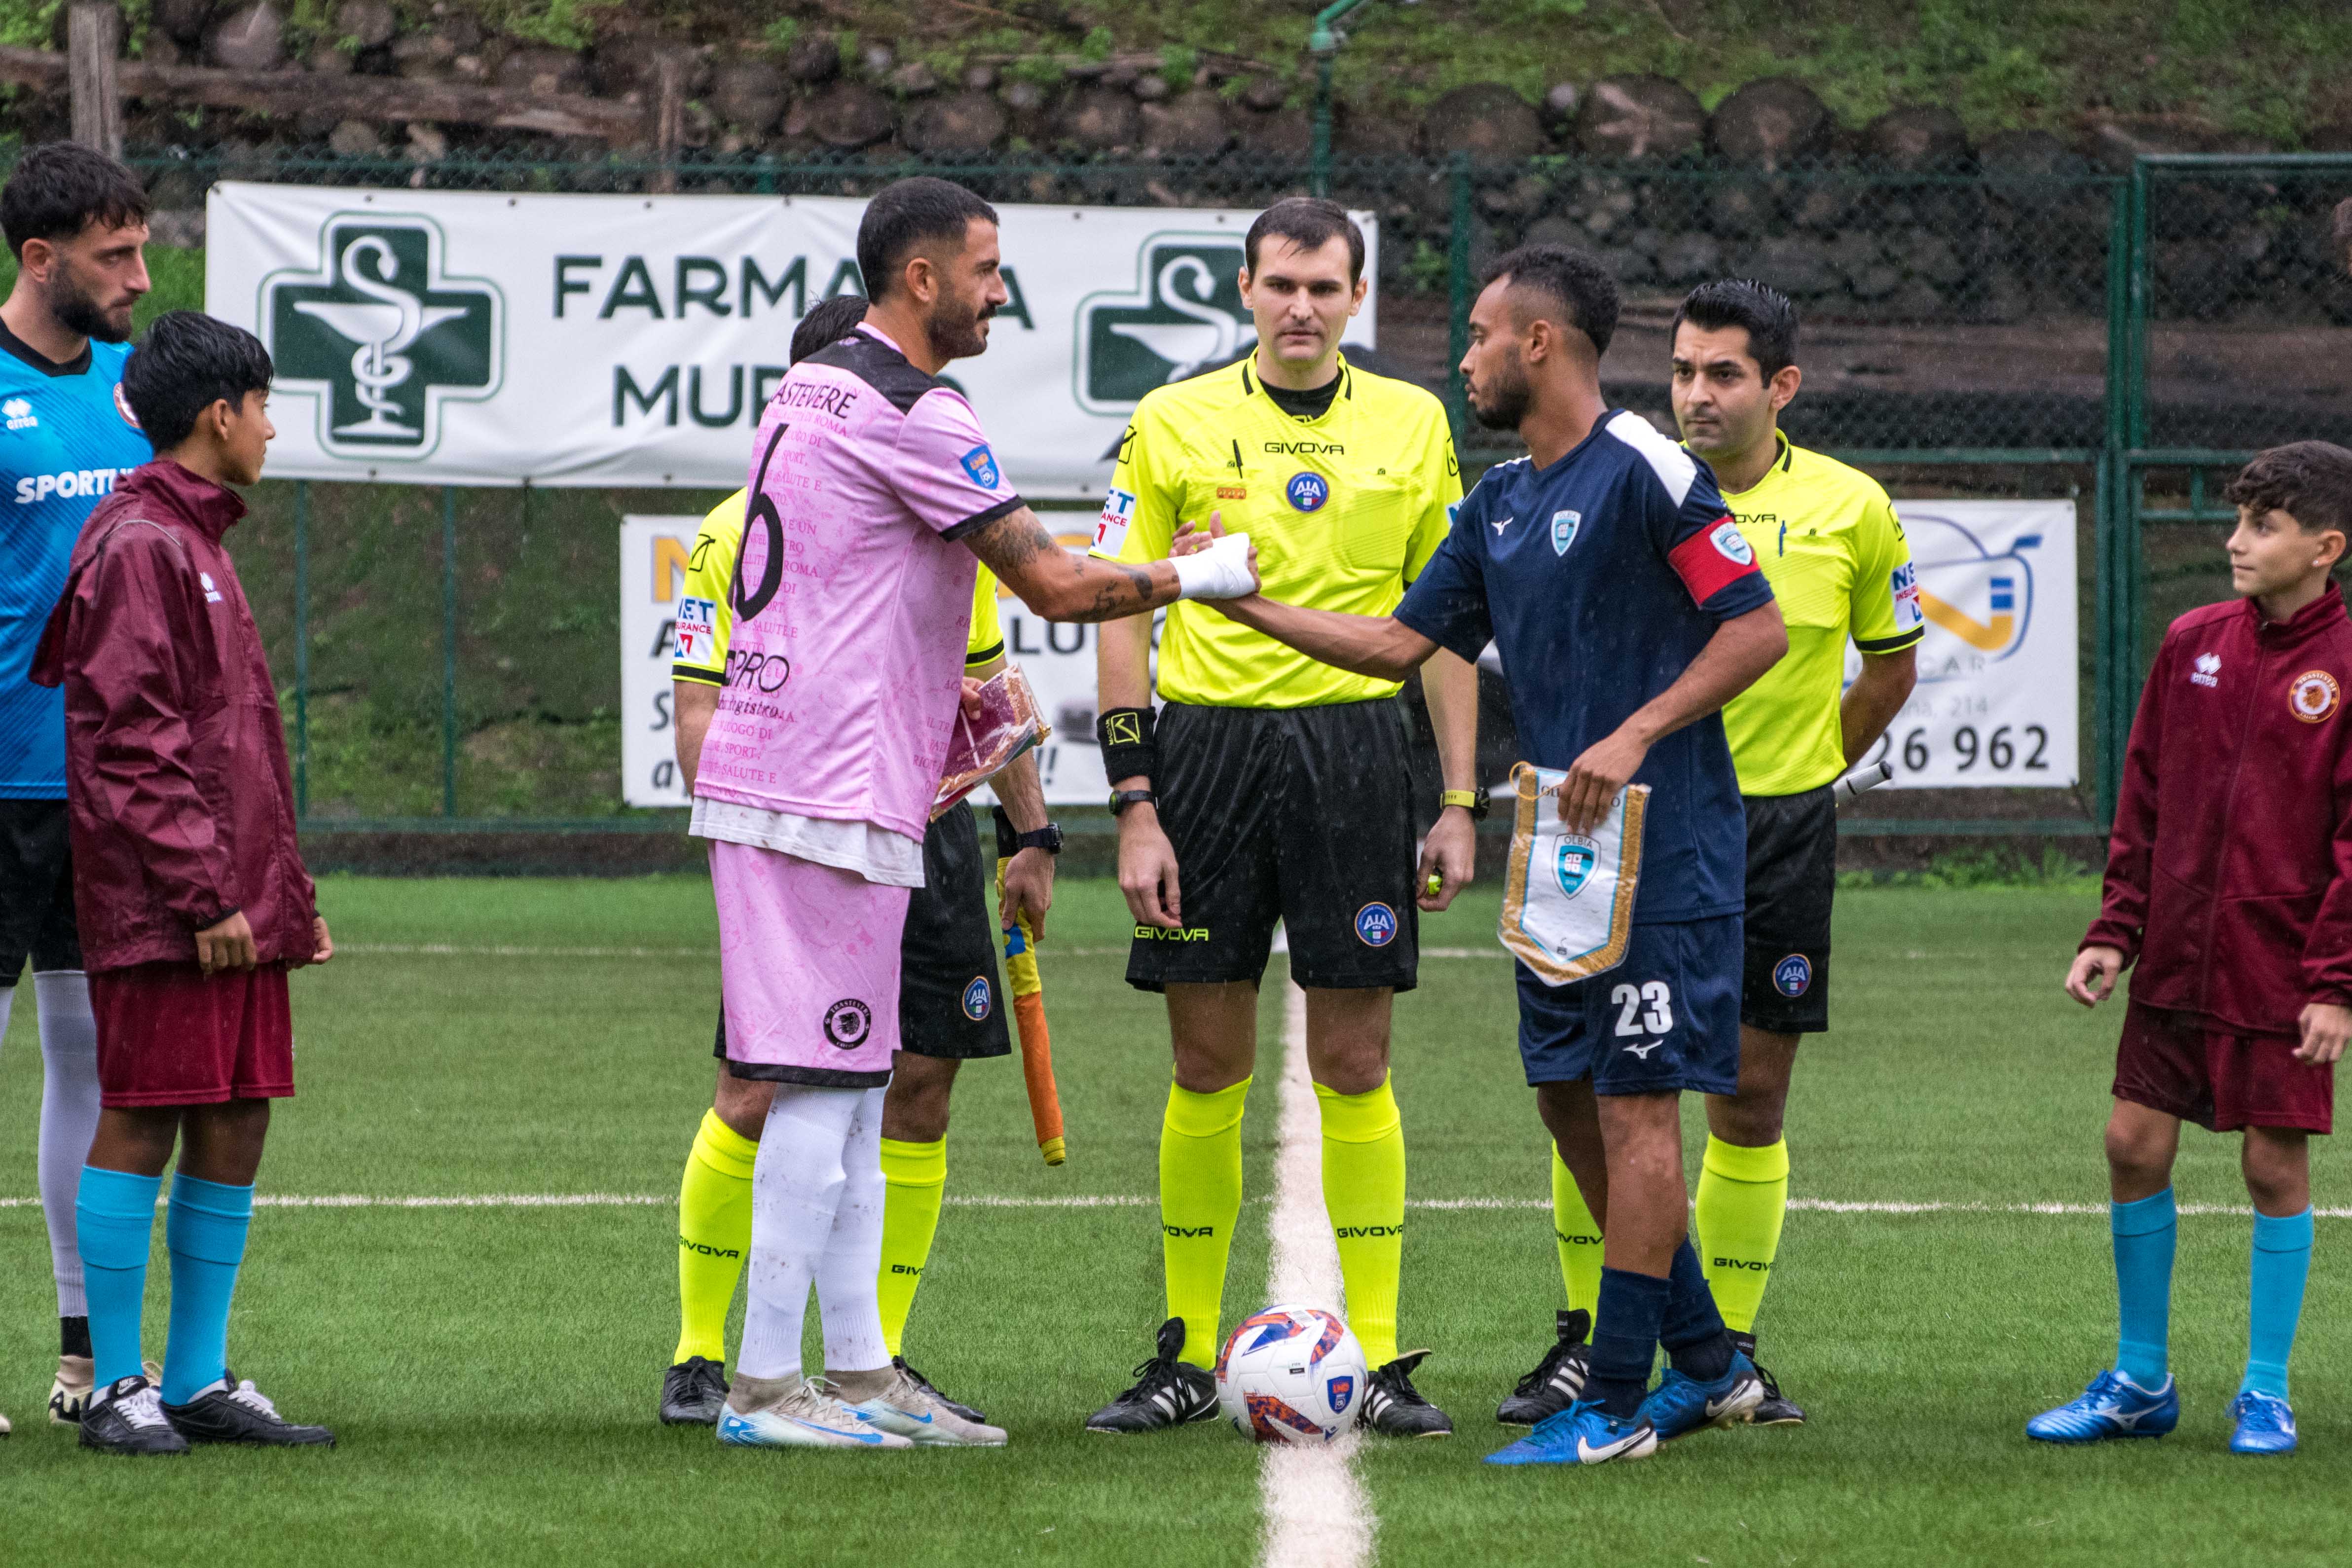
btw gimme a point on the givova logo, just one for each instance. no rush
(382, 335)
(1185, 312)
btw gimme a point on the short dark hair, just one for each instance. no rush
(1768, 316)
(1310, 222)
(909, 215)
(832, 320)
(190, 361)
(60, 188)
(2310, 481)
(1584, 289)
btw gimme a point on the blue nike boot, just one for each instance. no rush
(1681, 1405)
(1583, 1433)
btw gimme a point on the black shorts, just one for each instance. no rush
(1791, 881)
(951, 1003)
(1298, 814)
(36, 907)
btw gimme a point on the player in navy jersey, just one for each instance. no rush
(1627, 610)
(76, 221)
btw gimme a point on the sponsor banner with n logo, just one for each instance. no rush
(474, 337)
(1993, 584)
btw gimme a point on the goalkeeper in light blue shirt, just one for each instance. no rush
(76, 221)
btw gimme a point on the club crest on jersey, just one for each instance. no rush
(1563, 530)
(977, 998)
(847, 1023)
(981, 463)
(1578, 856)
(20, 414)
(1793, 975)
(1307, 491)
(1730, 544)
(2313, 695)
(1376, 925)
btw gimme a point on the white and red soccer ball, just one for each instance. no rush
(1291, 1375)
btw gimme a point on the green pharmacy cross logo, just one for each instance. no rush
(1185, 314)
(382, 335)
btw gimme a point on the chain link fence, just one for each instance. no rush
(450, 654)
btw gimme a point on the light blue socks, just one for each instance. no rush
(2282, 1262)
(114, 1219)
(204, 1229)
(2145, 1232)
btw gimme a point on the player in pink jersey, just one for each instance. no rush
(872, 489)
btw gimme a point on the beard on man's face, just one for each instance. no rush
(957, 330)
(1502, 401)
(76, 311)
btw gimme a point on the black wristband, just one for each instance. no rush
(1129, 745)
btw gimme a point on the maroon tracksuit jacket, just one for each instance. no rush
(180, 807)
(2230, 874)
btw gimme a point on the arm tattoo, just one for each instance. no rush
(1004, 543)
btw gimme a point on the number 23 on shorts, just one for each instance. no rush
(1647, 1009)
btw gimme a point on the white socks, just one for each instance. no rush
(68, 1117)
(816, 1217)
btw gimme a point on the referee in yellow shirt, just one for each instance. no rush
(1829, 542)
(951, 1007)
(1272, 787)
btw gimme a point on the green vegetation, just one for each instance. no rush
(493, 1370)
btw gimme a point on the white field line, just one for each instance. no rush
(1122, 1200)
(476, 950)
(1317, 1515)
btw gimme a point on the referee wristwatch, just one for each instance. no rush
(1120, 800)
(1475, 801)
(1047, 838)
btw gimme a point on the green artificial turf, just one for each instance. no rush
(493, 1370)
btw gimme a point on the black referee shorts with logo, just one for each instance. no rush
(36, 904)
(1302, 815)
(950, 1002)
(1791, 882)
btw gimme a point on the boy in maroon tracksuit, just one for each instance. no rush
(188, 887)
(2230, 881)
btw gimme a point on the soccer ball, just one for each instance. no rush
(1291, 1375)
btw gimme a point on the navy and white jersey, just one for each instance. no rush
(66, 435)
(1599, 580)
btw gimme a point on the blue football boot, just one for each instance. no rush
(2112, 1406)
(2265, 1425)
(1583, 1433)
(1680, 1406)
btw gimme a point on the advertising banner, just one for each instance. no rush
(474, 337)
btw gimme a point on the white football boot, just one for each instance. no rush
(798, 1413)
(912, 1411)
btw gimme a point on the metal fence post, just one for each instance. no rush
(2111, 615)
(1457, 304)
(449, 651)
(301, 648)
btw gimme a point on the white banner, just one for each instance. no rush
(468, 337)
(1058, 659)
(1996, 704)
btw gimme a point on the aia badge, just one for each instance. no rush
(1578, 856)
(981, 463)
(1338, 1391)
(1793, 975)
(847, 1023)
(1376, 925)
(977, 998)
(1307, 492)
(1563, 530)
(2313, 695)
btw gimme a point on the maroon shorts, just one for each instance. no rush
(168, 1036)
(2174, 1062)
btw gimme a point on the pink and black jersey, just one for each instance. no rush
(1599, 580)
(850, 596)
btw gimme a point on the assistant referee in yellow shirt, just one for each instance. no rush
(1272, 787)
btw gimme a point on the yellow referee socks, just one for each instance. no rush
(714, 1235)
(1579, 1235)
(1743, 1195)
(914, 1176)
(1200, 1203)
(1363, 1188)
